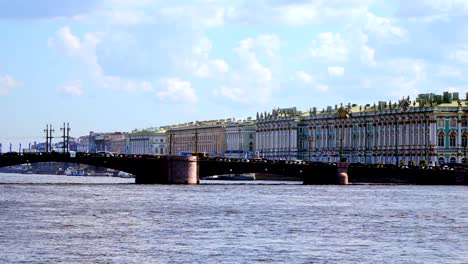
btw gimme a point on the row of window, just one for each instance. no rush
(452, 122)
(452, 140)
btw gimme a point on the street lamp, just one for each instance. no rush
(342, 114)
(465, 143)
(396, 140)
(170, 142)
(196, 138)
(289, 144)
(239, 138)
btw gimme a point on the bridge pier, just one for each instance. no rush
(342, 173)
(171, 170)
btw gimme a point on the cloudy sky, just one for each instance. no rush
(116, 65)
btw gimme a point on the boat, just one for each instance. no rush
(74, 172)
(232, 177)
(123, 174)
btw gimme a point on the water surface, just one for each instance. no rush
(52, 219)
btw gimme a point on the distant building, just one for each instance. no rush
(276, 133)
(430, 129)
(149, 141)
(240, 139)
(207, 137)
(113, 142)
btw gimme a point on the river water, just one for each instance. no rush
(63, 219)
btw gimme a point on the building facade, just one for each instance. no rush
(112, 142)
(276, 134)
(149, 141)
(240, 139)
(431, 129)
(206, 137)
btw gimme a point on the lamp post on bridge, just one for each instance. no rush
(49, 132)
(465, 143)
(196, 138)
(342, 114)
(66, 137)
(170, 142)
(239, 138)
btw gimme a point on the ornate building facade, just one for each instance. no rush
(431, 129)
(277, 132)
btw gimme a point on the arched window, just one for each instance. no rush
(441, 160)
(464, 140)
(440, 139)
(453, 139)
(453, 160)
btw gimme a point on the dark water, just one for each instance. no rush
(60, 219)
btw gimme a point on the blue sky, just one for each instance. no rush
(117, 65)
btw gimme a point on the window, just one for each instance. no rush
(453, 139)
(441, 160)
(250, 135)
(453, 159)
(251, 146)
(440, 139)
(465, 122)
(440, 122)
(464, 140)
(453, 122)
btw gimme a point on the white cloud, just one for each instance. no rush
(212, 68)
(247, 52)
(198, 16)
(201, 65)
(253, 79)
(299, 15)
(146, 86)
(85, 51)
(384, 28)
(72, 89)
(460, 55)
(367, 55)
(234, 94)
(178, 91)
(404, 78)
(358, 43)
(7, 83)
(220, 66)
(335, 71)
(432, 10)
(329, 46)
(304, 77)
(65, 41)
(310, 81)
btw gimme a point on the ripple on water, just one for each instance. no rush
(60, 219)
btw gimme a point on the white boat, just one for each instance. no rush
(74, 172)
(123, 174)
(232, 177)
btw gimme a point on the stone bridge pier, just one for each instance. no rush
(171, 170)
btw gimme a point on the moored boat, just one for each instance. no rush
(232, 177)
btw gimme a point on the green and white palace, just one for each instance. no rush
(432, 129)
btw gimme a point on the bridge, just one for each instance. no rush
(188, 170)
(184, 170)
